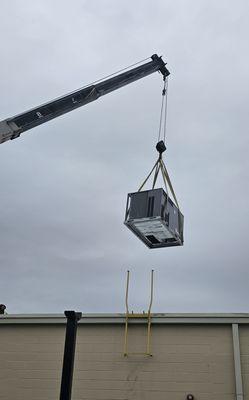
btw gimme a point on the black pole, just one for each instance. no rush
(2, 308)
(69, 352)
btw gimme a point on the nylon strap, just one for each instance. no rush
(164, 171)
(164, 179)
(156, 175)
(159, 165)
(146, 179)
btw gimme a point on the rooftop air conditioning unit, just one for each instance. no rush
(154, 218)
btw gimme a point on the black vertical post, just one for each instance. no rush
(69, 352)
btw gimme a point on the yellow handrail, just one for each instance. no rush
(138, 315)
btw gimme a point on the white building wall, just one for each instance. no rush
(187, 358)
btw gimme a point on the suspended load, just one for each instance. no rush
(152, 215)
(154, 218)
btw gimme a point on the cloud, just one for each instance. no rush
(64, 184)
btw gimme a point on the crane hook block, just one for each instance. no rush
(161, 147)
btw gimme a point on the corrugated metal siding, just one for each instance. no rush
(30, 361)
(195, 359)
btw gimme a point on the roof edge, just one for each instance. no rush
(156, 318)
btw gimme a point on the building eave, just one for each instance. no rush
(172, 318)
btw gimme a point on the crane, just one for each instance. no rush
(160, 226)
(11, 128)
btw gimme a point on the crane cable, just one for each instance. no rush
(117, 72)
(104, 77)
(163, 111)
(159, 165)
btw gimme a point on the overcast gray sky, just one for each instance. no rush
(64, 184)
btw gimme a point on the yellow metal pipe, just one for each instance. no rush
(149, 313)
(127, 313)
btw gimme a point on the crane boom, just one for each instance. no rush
(11, 128)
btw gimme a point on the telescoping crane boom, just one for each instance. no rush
(11, 128)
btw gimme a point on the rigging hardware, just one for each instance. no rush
(151, 214)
